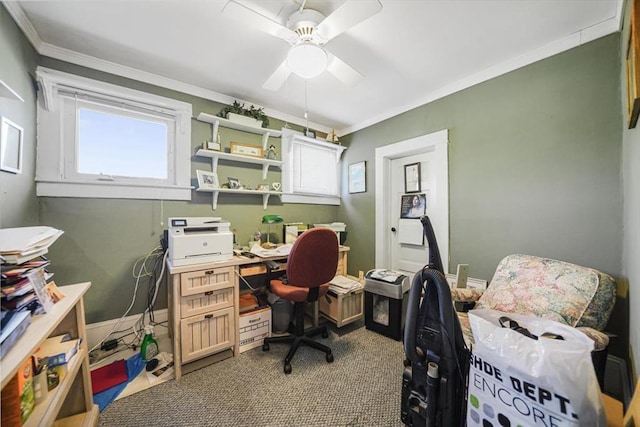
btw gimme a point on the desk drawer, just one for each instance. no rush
(207, 302)
(211, 279)
(206, 334)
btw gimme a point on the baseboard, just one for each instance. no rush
(97, 331)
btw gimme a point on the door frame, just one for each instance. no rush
(436, 142)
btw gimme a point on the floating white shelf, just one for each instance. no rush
(215, 192)
(215, 155)
(219, 121)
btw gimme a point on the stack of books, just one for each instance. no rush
(23, 279)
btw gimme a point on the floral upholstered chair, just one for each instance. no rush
(577, 296)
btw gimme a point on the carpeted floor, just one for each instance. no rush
(361, 388)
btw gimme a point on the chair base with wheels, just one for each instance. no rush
(300, 337)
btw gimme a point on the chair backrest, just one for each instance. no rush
(551, 289)
(313, 259)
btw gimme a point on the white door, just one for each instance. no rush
(408, 247)
(400, 244)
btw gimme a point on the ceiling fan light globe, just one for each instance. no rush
(307, 60)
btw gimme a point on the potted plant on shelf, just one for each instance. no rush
(238, 113)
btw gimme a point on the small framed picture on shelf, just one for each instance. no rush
(211, 145)
(208, 180)
(310, 133)
(234, 184)
(245, 149)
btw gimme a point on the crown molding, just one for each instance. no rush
(23, 23)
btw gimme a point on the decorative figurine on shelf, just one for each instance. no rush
(271, 153)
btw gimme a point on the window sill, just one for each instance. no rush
(110, 191)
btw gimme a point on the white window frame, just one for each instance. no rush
(292, 193)
(57, 137)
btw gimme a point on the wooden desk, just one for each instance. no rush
(204, 309)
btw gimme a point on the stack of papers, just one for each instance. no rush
(21, 244)
(343, 285)
(389, 276)
(266, 253)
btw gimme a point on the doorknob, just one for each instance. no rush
(393, 229)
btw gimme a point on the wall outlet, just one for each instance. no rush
(361, 275)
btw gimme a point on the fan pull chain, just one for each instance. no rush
(306, 113)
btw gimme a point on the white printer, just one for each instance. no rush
(195, 240)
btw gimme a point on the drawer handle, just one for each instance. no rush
(208, 316)
(209, 293)
(208, 272)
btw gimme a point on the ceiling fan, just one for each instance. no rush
(307, 31)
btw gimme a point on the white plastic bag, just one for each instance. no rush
(516, 380)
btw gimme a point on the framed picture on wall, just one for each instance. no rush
(412, 178)
(10, 147)
(358, 177)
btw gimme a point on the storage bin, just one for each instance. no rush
(342, 309)
(255, 326)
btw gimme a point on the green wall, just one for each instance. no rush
(18, 202)
(534, 164)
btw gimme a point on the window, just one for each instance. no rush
(100, 140)
(311, 172)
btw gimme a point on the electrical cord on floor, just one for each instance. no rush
(142, 272)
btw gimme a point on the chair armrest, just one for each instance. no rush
(466, 294)
(600, 339)
(271, 264)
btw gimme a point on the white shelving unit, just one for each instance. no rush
(215, 156)
(217, 191)
(71, 402)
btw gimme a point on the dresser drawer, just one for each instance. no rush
(207, 334)
(201, 281)
(206, 302)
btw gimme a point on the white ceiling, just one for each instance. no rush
(410, 53)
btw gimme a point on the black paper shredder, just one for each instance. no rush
(385, 302)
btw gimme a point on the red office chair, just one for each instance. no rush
(312, 263)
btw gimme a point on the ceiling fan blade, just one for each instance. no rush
(257, 20)
(349, 14)
(344, 72)
(279, 76)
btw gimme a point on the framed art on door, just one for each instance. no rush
(412, 178)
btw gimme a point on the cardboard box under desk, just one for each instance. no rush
(255, 326)
(342, 309)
